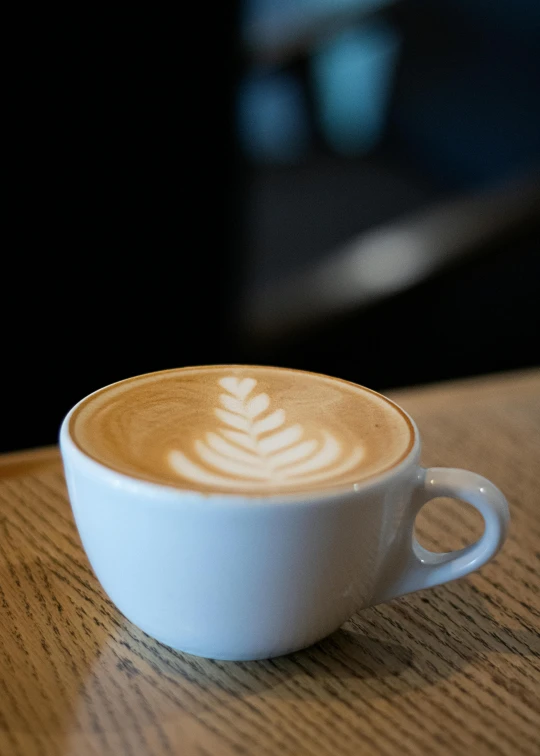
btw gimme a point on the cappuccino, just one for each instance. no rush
(248, 430)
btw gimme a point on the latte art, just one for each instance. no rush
(256, 449)
(249, 430)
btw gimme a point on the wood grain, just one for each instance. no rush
(450, 671)
(21, 463)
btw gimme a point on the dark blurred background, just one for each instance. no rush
(345, 186)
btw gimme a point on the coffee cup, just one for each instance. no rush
(242, 512)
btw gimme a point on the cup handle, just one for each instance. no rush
(423, 568)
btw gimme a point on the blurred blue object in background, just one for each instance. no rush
(272, 117)
(352, 75)
(351, 58)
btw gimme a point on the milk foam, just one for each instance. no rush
(250, 430)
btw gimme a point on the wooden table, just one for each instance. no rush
(453, 670)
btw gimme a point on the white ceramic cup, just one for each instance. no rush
(240, 577)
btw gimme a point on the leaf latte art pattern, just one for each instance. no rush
(255, 449)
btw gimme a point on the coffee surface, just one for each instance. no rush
(242, 429)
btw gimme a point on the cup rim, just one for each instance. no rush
(68, 446)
